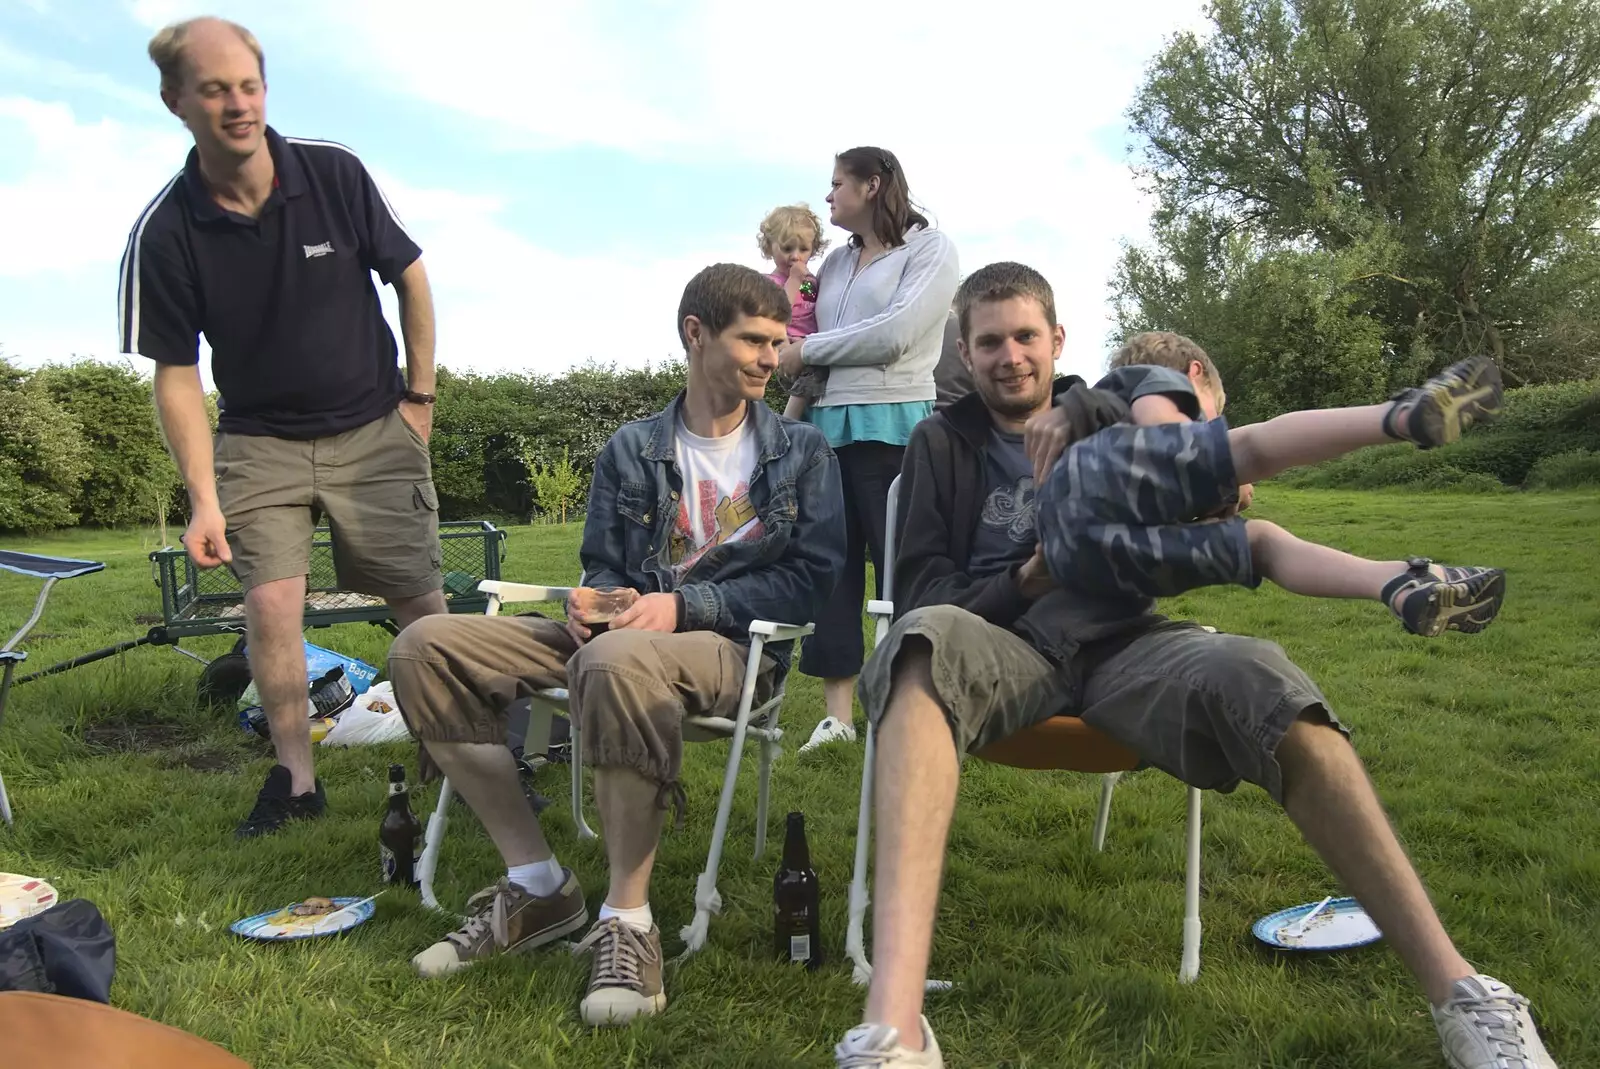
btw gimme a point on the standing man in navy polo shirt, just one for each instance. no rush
(267, 246)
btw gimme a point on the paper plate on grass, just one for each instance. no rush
(1331, 924)
(23, 896)
(285, 923)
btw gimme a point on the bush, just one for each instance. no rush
(44, 457)
(131, 477)
(1565, 471)
(1456, 481)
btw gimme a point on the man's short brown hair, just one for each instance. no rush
(1163, 348)
(722, 293)
(1001, 282)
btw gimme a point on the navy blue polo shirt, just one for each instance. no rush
(299, 345)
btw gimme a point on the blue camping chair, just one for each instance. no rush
(51, 570)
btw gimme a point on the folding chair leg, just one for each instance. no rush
(769, 749)
(706, 899)
(433, 842)
(584, 831)
(1191, 896)
(855, 945)
(5, 692)
(1107, 785)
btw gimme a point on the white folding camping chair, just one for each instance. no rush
(761, 722)
(1062, 743)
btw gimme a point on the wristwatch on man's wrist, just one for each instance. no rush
(418, 398)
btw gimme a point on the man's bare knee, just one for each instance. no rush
(913, 667)
(279, 603)
(1311, 742)
(912, 692)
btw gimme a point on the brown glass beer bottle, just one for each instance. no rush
(795, 900)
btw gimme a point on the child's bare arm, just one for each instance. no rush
(1155, 408)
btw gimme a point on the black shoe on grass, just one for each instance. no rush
(275, 806)
(1438, 411)
(1466, 599)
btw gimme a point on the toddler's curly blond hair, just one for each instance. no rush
(790, 221)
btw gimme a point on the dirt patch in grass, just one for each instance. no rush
(173, 743)
(207, 759)
(145, 619)
(122, 736)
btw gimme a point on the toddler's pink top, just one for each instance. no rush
(803, 315)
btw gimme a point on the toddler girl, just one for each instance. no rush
(790, 237)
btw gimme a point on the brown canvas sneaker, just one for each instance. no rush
(625, 979)
(505, 919)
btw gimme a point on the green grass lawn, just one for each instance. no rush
(1485, 748)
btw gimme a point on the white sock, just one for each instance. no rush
(638, 918)
(541, 878)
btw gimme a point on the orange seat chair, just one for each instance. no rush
(1062, 744)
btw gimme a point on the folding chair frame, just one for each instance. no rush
(761, 722)
(882, 613)
(10, 656)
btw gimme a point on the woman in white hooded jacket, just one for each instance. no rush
(883, 300)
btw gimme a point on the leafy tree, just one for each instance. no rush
(43, 455)
(556, 487)
(1432, 168)
(132, 477)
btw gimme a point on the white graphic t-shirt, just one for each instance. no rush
(715, 506)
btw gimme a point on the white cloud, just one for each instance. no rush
(39, 70)
(504, 303)
(1000, 113)
(81, 187)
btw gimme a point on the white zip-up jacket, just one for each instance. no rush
(880, 332)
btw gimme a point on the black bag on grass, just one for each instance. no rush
(66, 950)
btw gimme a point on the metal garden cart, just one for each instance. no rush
(199, 602)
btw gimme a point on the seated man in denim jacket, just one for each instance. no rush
(716, 512)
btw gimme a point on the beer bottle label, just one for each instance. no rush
(800, 948)
(386, 863)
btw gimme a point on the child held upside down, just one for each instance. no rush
(1149, 507)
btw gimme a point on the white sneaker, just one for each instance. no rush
(829, 730)
(877, 1046)
(1486, 1025)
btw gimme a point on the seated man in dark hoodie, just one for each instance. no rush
(985, 644)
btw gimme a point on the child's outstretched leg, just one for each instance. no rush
(1429, 599)
(1430, 415)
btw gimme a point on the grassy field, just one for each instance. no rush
(1485, 748)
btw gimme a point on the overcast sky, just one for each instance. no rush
(566, 166)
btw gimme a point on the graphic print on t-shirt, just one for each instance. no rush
(1009, 508)
(715, 508)
(1005, 533)
(723, 518)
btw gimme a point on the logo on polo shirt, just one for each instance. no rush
(313, 251)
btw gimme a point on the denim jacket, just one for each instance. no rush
(784, 576)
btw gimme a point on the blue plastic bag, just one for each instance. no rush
(319, 662)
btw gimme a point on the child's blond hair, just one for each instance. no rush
(790, 221)
(1163, 348)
